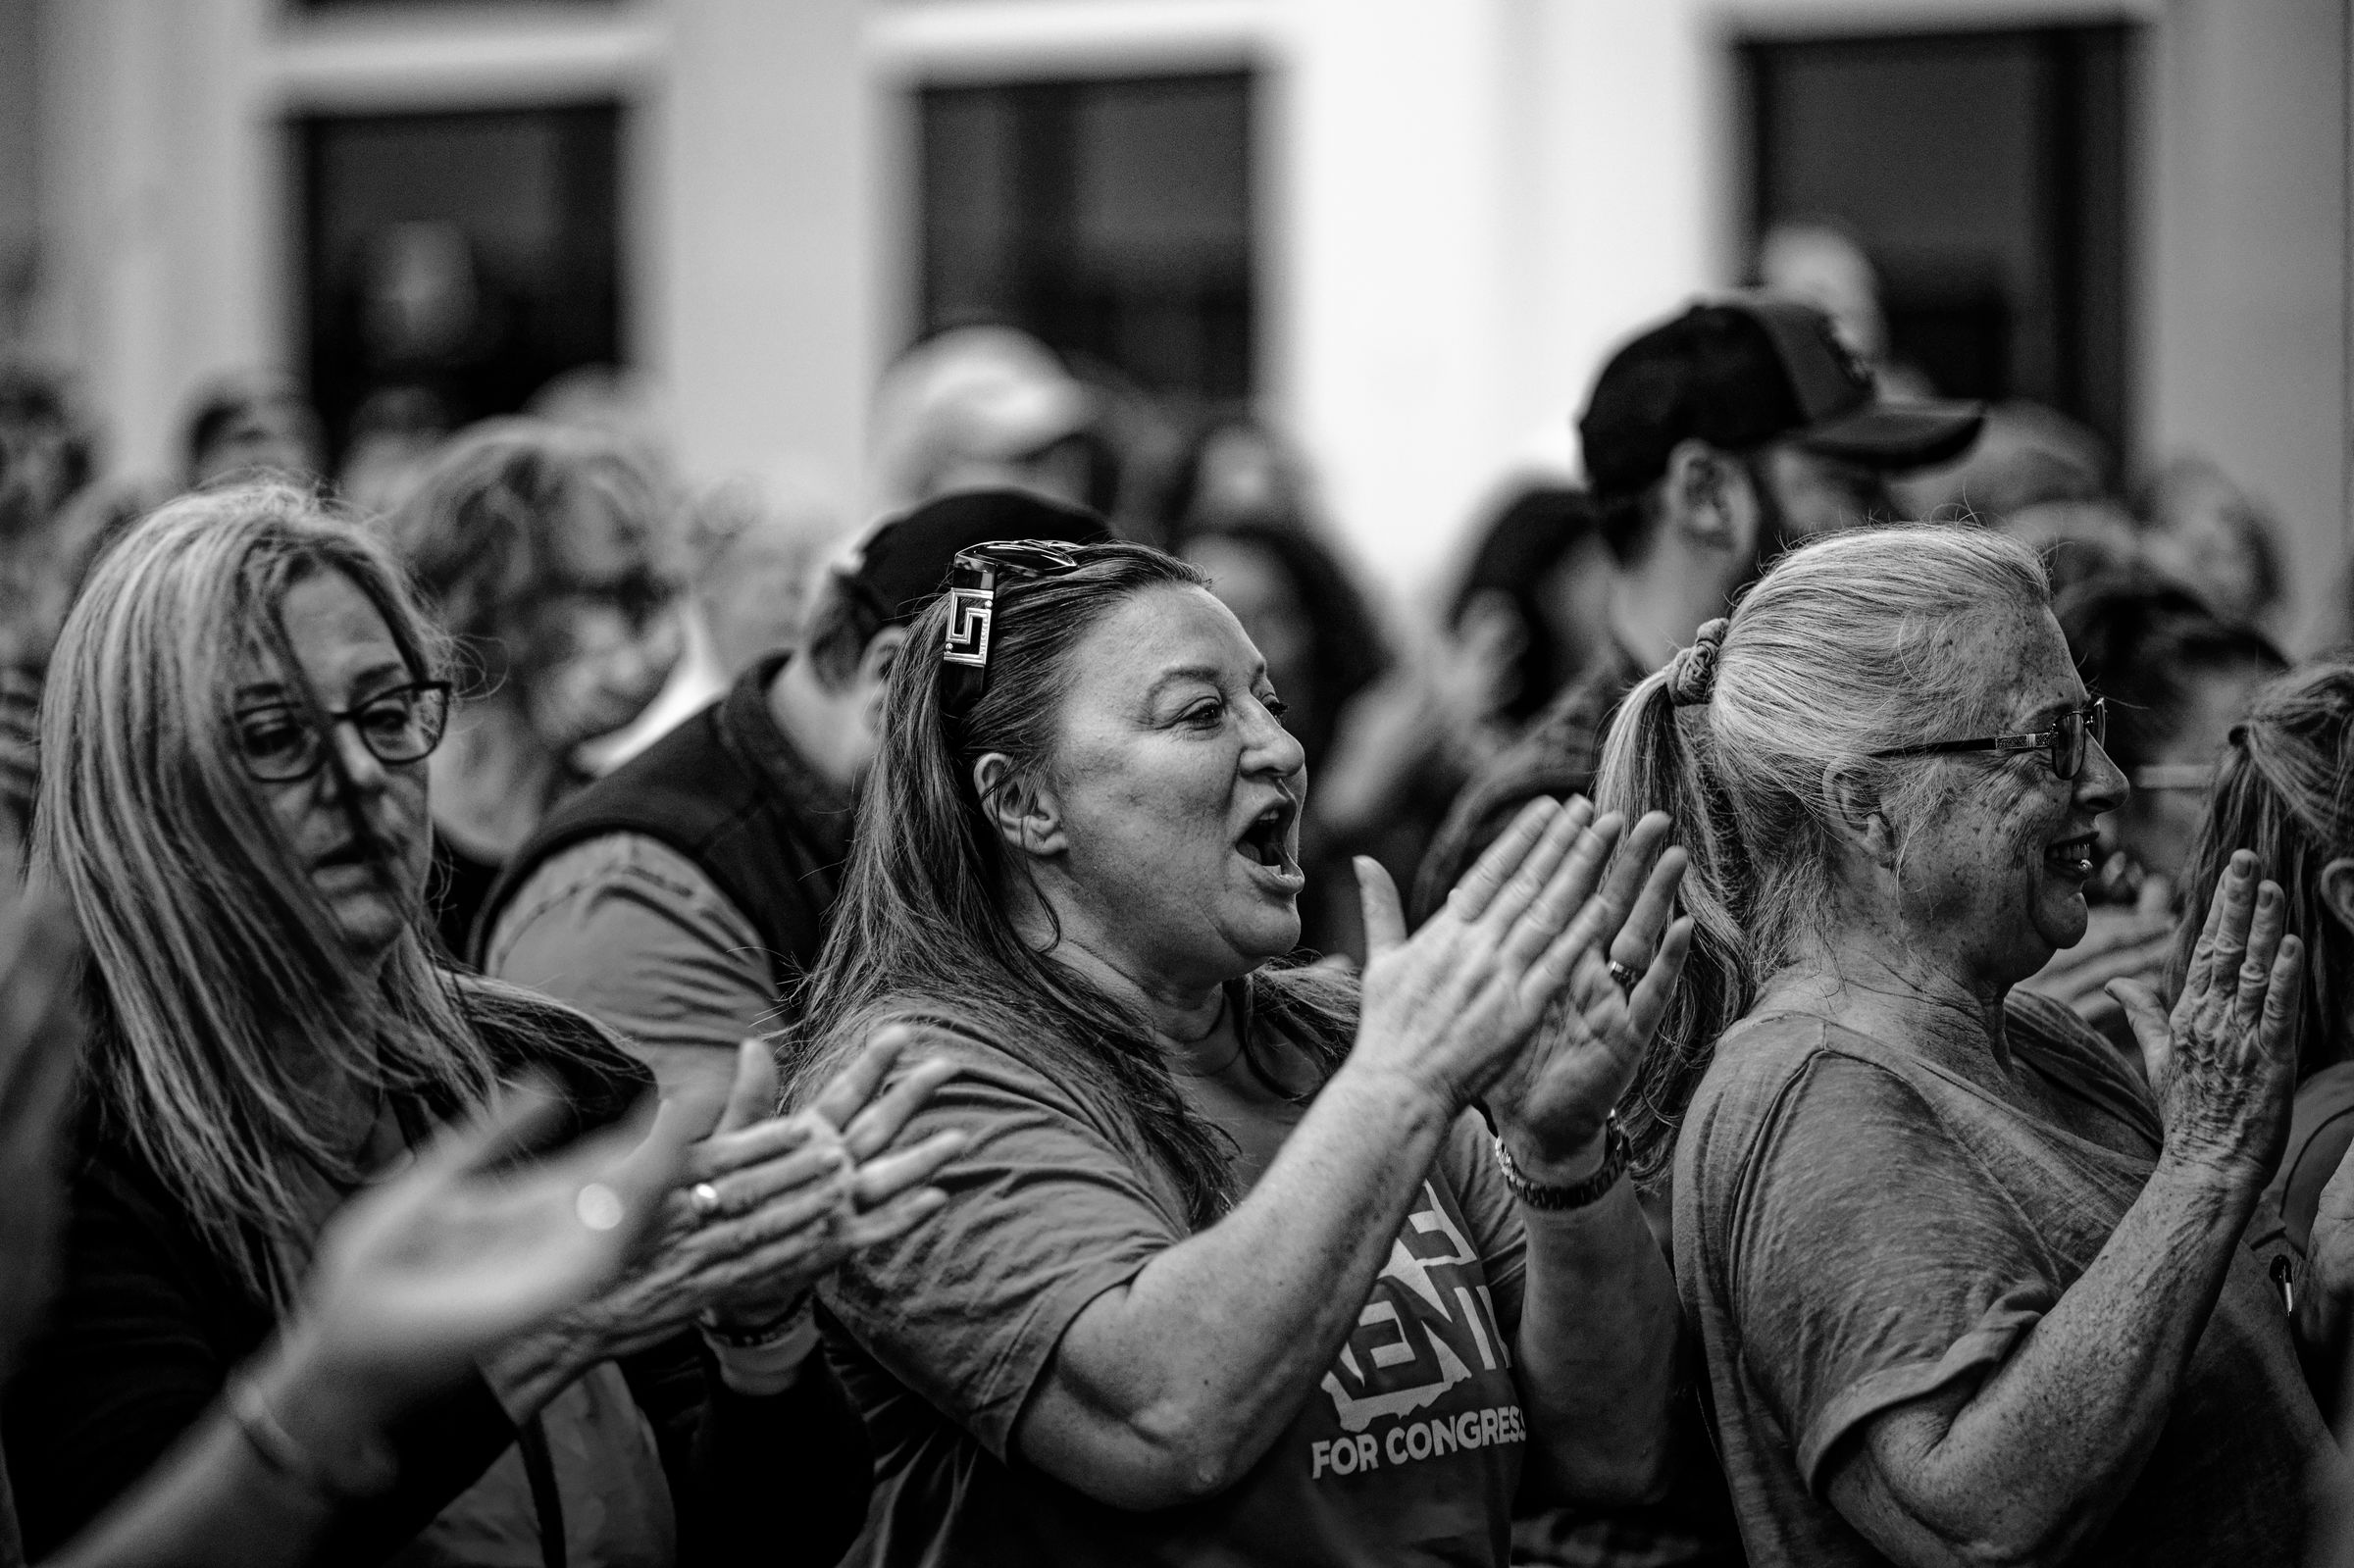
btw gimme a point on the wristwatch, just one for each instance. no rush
(1615, 1152)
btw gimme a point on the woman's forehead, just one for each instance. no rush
(1176, 628)
(2023, 662)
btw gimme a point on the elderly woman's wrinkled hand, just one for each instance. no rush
(769, 1204)
(1551, 1104)
(2223, 1065)
(1449, 1010)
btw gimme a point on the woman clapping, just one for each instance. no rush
(1972, 1288)
(1231, 1271)
(234, 807)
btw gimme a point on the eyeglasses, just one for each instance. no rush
(281, 743)
(2063, 743)
(974, 580)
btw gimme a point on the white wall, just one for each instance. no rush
(766, 300)
(2245, 313)
(156, 190)
(1467, 204)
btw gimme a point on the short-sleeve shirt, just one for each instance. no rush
(1858, 1226)
(634, 934)
(1408, 1451)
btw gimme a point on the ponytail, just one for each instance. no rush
(1655, 758)
(1843, 651)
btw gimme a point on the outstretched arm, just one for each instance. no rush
(1172, 1386)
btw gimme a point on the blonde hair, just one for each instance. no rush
(1845, 646)
(2284, 788)
(211, 951)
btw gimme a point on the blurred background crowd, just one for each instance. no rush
(618, 323)
(1308, 292)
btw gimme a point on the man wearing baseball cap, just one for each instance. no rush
(677, 897)
(1712, 442)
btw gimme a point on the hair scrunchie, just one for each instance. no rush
(1692, 672)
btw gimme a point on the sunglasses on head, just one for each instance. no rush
(975, 580)
(2063, 744)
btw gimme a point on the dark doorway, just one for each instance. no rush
(461, 259)
(1985, 174)
(1111, 219)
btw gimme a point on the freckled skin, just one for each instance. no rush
(1154, 780)
(1977, 887)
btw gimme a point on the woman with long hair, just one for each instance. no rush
(2284, 788)
(1968, 1285)
(1232, 1269)
(234, 805)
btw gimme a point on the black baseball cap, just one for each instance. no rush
(905, 563)
(1739, 371)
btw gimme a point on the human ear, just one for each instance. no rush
(1708, 496)
(1025, 812)
(881, 652)
(1859, 818)
(2338, 891)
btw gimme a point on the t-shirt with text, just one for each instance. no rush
(1407, 1453)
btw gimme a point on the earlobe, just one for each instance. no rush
(1024, 812)
(2338, 891)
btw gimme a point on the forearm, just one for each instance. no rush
(1179, 1381)
(211, 1500)
(2037, 1458)
(1596, 1352)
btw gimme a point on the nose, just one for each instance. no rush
(2100, 784)
(1268, 748)
(354, 765)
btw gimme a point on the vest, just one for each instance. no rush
(720, 791)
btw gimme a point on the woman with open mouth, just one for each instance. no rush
(1970, 1285)
(1231, 1270)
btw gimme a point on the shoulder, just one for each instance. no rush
(1776, 1081)
(989, 1072)
(524, 1031)
(625, 863)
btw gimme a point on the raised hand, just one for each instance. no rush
(1450, 1009)
(416, 1280)
(1551, 1103)
(2223, 1065)
(769, 1204)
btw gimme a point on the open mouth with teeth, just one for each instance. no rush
(2072, 857)
(1267, 842)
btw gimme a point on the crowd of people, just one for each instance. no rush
(550, 1018)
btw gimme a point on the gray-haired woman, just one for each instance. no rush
(1971, 1288)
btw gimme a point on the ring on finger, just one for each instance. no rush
(1626, 975)
(703, 1198)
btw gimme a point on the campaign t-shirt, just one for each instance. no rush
(1408, 1452)
(1859, 1225)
